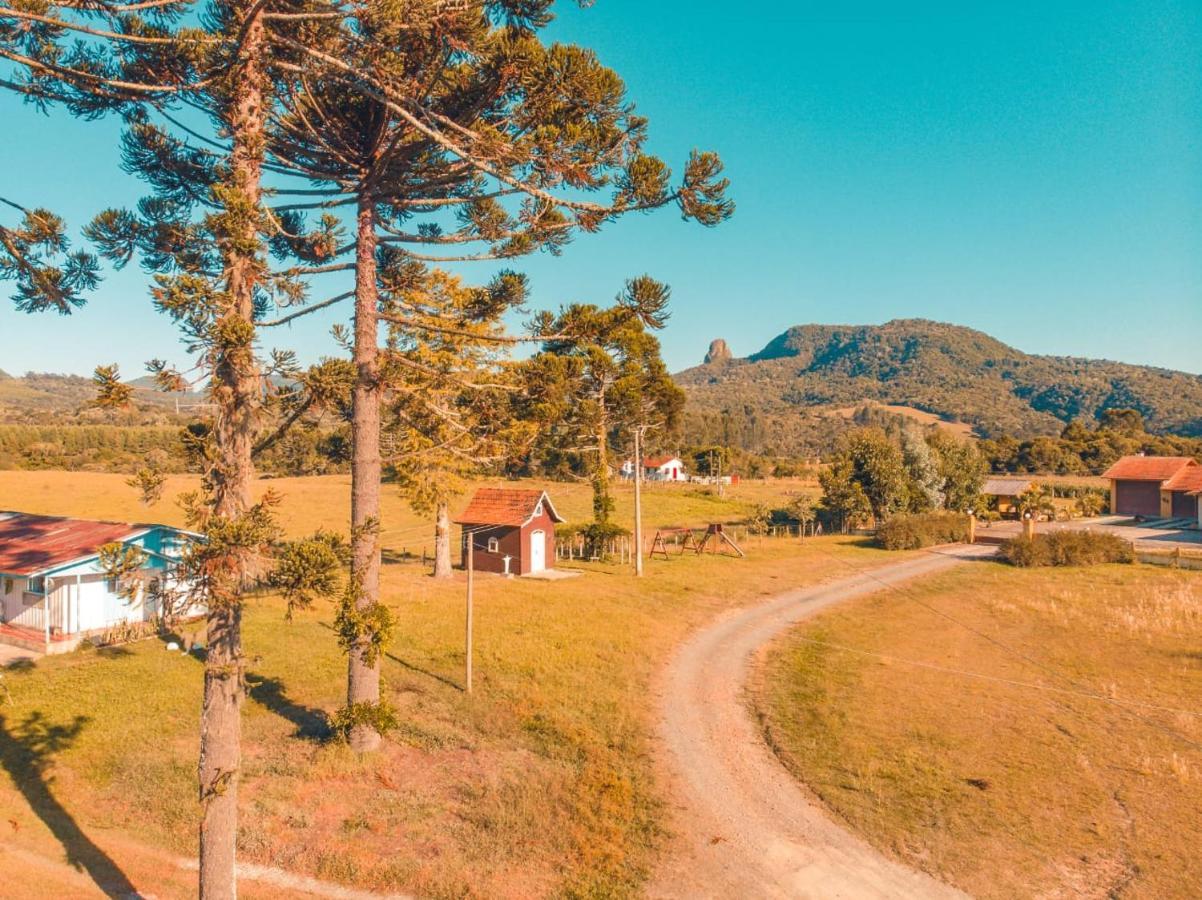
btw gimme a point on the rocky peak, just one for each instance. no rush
(718, 352)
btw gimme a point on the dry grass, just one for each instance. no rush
(540, 784)
(324, 502)
(1009, 790)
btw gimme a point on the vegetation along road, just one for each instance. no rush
(745, 827)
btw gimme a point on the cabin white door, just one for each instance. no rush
(538, 551)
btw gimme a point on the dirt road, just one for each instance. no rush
(744, 827)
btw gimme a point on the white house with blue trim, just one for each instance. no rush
(53, 590)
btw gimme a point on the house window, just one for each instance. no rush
(37, 585)
(538, 510)
(8, 585)
(493, 545)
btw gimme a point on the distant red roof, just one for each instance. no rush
(1148, 468)
(654, 462)
(505, 506)
(32, 544)
(1188, 479)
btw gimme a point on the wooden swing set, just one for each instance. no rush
(714, 537)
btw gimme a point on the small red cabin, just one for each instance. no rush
(512, 530)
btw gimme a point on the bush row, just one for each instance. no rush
(1068, 548)
(916, 530)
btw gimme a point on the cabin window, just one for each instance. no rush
(37, 585)
(493, 545)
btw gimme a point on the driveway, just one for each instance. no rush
(744, 826)
(1147, 537)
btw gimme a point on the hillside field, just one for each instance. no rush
(1019, 733)
(540, 784)
(324, 502)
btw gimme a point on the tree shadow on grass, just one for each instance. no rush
(311, 723)
(442, 679)
(26, 752)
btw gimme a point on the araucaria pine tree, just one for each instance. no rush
(606, 378)
(455, 135)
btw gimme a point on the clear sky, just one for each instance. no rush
(1031, 169)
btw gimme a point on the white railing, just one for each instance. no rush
(32, 617)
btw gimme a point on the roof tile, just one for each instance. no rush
(504, 506)
(1148, 468)
(31, 544)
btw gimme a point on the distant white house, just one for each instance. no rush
(658, 468)
(53, 590)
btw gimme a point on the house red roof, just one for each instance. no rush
(32, 544)
(654, 462)
(1148, 468)
(1188, 479)
(505, 506)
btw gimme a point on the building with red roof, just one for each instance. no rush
(512, 530)
(658, 468)
(54, 590)
(1150, 487)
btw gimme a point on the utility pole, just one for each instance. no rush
(471, 540)
(638, 501)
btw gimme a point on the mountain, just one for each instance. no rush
(956, 373)
(44, 398)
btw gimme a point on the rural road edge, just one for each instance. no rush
(744, 827)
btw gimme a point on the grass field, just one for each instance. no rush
(1020, 733)
(324, 502)
(539, 784)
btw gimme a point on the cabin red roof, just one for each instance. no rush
(32, 544)
(1188, 479)
(1148, 468)
(505, 506)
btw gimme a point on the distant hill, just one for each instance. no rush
(955, 373)
(45, 398)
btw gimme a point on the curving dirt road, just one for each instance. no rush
(744, 827)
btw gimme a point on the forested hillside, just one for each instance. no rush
(778, 400)
(41, 398)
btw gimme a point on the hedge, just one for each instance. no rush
(913, 531)
(1068, 548)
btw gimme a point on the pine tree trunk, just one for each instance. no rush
(442, 540)
(601, 501)
(638, 502)
(363, 679)
(235, 392)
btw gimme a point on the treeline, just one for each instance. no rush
(1081, 450)
(117, 448)
(100, 448)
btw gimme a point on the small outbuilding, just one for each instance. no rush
(1154, 487)
(512, 530)
(1003, 493)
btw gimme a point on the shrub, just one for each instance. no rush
(1068, 548)
(917, 530)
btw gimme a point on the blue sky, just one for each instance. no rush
(1032, 170)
